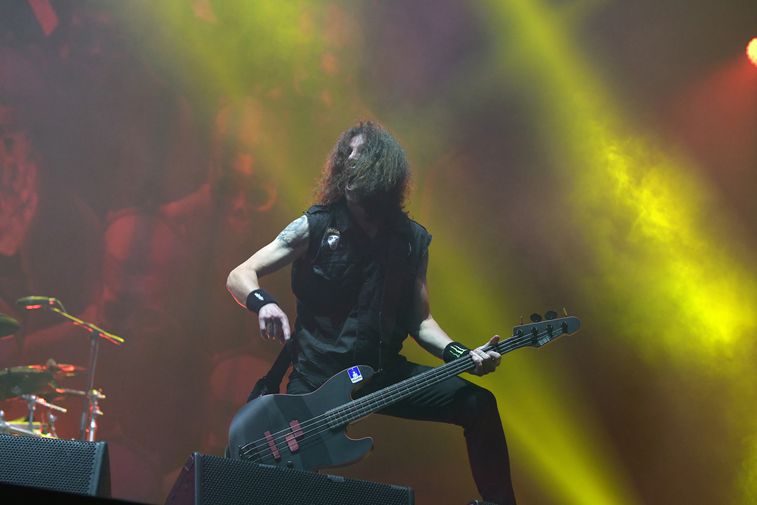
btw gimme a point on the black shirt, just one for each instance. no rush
(354, 294)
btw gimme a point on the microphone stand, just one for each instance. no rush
(91, 410)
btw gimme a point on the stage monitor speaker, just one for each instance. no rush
(70, 466)
(210, 480)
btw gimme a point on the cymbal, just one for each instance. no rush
(59, 369)
(22, 380)
(8, 325)
(35, 379)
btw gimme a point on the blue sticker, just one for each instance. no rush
(355, 375)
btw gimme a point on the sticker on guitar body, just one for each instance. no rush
(355, 375)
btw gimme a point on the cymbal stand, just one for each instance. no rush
(93, 397)
(31, 405)
(51, 418)
(88, 426)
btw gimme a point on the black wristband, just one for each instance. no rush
(453, 351)
(256, 299)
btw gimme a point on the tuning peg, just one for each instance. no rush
(521, 319)
(564, 312)
(535, 318)
(550, 314)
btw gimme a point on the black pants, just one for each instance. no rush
(454, 401)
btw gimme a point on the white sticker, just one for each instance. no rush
(333, 241)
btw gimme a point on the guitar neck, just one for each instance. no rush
(370, 403)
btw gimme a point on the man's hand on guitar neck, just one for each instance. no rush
(485, 361)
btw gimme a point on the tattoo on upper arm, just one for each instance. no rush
(295, 232)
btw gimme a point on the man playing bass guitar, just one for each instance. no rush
(359, 276)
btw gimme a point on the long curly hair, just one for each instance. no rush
(379, 177)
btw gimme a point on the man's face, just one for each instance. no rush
(355, 145)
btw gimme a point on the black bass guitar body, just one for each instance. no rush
(299, 431)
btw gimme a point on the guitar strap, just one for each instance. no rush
(398, 252)
(270, 382)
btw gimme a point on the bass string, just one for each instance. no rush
(314, 426)
(321, 422)
(387, 396)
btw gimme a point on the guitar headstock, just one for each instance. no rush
(542, 332)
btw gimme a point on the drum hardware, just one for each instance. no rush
(27, 383)
(21, 380)
(70, 392)
(59, 369)
(18, 427)
(51, 418)
(35, 379)
(91, 409)
(32, 401)
(94, 396)
(27, 425)
(36, 385)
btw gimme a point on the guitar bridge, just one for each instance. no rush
(250, 452)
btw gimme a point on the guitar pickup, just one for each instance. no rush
(272, 445)
(292, 437)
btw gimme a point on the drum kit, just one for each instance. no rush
(38, 386)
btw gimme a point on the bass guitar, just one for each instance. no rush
(308, 432)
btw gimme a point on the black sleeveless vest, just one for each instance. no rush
(354, 294)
